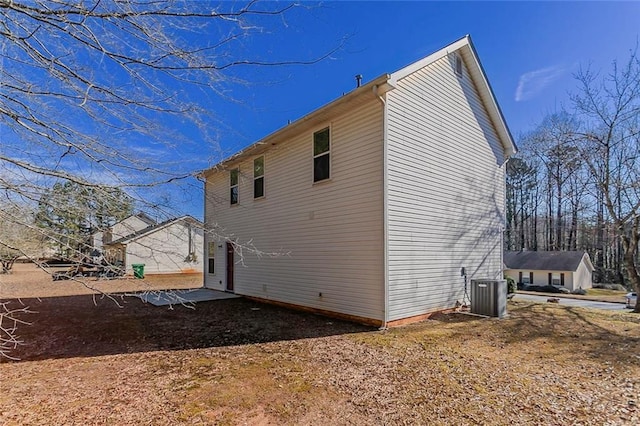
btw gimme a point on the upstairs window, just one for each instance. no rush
(233, 186)
(321, 155)
(458, 62)
(258, 177)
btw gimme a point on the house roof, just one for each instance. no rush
(378, 87)
(140, 215)
(145, 218)
(545, 260)
(154, 228)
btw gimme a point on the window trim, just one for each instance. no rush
(236, 186)
(262, 176)
(314, 156)
(458, 65)
(211, 256)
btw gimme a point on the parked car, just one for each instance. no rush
(632, 299)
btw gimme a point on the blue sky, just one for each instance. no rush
(529, 51)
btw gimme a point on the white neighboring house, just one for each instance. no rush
(374, 201)
(570, 269)
(170, 247)
(125, 227)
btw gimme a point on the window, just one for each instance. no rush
(233, 185)
(555, 279)
(258, 177)
(458, 62)
(321, 155)
(212, 257)
(525, 278)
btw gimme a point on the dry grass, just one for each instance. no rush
(240, 362)
(599, 295)
(28, 281)
(614, 295)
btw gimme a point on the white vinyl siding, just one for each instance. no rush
(166, 250)
(304, 240)
(445, 190)
(126, 227)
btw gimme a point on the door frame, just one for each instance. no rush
(229, 268)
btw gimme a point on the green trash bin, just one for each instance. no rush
(138, 270)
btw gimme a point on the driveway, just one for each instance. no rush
(573, 302)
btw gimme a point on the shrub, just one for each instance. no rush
(511, 285)
(579, 291)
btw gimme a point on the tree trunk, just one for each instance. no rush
(630, 247)
(599, 260)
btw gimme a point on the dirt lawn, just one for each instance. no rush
(235, 361)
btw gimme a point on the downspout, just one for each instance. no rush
(385, 210)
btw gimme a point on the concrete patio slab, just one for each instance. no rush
(177, 297)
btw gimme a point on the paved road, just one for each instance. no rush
(573, 302)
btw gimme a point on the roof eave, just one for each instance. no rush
(153, 228)
(494, 110)
(588, 261)
(490, 101)
(368, 88)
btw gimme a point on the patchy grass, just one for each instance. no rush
(27, 281)
(241, 362)
(89, 361)
(596, 294)
(603, 292)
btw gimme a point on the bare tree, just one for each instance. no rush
(18, 236)
(90, 89)
(552, 145)
(610, 109)
(120, 93)
(521, 187)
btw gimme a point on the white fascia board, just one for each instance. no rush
(492, 105)
(486, 95)
(587, 260)
(281, 134)
(410, 69)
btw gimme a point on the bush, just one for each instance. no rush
(579, 291)
(511, 285)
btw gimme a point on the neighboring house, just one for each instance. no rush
(121, 229)
(369, 206)
(570, 269)
(173, 246)
(128, 226)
